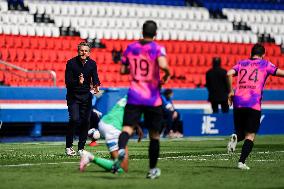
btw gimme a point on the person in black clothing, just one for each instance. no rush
(80, 74)
(217, 85)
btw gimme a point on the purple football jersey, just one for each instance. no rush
(251, 77)
(145, 73)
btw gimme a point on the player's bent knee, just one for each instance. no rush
(128, 129)
(154, 135)
(114, 154)
(112, 149)
(112, 144)
(250, 136)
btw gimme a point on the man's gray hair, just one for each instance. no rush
(84, 44)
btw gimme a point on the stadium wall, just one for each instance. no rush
(48, 105)
(56, 93)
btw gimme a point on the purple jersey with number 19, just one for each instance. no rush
(252, 74)
(142, 58)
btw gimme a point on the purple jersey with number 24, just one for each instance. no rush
(142, 59)
(252, 74)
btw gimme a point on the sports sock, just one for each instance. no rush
(154, 151)
(123, 139)
(246, 149)
(105, 163)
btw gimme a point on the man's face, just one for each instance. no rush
(84, 52)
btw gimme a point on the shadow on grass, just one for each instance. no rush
(125, 178)
(110, 176)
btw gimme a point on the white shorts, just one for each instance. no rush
(111, 135)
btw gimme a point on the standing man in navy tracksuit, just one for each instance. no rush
(80, 74)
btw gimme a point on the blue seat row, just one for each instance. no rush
(16, 2)
(151, 2)
(217, 5)
(242, 1)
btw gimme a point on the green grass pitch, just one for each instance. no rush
(186, 163)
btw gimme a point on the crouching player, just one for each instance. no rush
(110, 127)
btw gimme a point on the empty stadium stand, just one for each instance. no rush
(32, 37)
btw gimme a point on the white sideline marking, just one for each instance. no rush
(102, 141)
(264, 160)
(49, 143)
(184, 158)
(36, 164)
(268, 152)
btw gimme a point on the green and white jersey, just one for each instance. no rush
(115, 116)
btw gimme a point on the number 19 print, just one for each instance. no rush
(141, 69)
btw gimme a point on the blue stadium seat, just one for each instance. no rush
(217, 5)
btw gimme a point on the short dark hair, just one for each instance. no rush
(83, 44)
(216, 62)
(168, 92)
(149, 29)
(258, 49)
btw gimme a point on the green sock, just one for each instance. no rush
(106, 164)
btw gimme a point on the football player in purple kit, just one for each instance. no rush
(251, 76)
(143, 60)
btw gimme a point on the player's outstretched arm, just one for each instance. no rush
(124, 70)
(139, 132)
(279, 73)
(96, 89)
(164, 66)
(230, 75)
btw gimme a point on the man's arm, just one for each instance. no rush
(163, 64)
(226, 81)
(279, 73)
(125, 63)
(70, 80)
(207, 81)
(139, 132)
(95, 80)
(230, 75)
(124, 69)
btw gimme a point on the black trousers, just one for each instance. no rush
(79, 117)
(224, 106)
